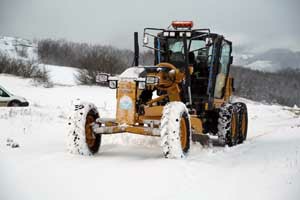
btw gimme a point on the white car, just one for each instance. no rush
(8, 99)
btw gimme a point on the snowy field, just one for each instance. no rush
(266, 166)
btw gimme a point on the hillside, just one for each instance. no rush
(256, 79)
(18, 48)
(61, 52)
(276, 88)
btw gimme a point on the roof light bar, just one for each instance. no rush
(182, 24)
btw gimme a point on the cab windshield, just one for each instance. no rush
(176, 49)
(176, 45)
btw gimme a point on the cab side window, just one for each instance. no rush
(225, 58)
(223, 70)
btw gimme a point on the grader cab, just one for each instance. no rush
(185, 96)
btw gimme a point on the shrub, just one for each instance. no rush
(26, 69)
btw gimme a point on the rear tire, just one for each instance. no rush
(228, 125)
(175, 130)
(81, 139)
(242, 122)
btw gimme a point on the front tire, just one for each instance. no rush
(14, 103)
(81, 138)
(175, 130)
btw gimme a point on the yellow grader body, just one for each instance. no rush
(129, 121)
(184, 96)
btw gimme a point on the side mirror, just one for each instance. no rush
(231, 60)
(145, 40)
(208, 41)
(232, 85)
(102, 78)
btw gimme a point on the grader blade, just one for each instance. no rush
(204, 140)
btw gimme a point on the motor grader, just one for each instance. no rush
(185, 96)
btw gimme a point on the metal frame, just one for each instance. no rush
(213, 65)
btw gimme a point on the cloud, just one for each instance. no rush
(255, 23)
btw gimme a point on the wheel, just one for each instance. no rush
(232, 135)
(81, 137)
(14, 103)
(242, 122)
(175, 130)
(228, 125)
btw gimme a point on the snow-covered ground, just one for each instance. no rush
(266, 166)
(61, 75)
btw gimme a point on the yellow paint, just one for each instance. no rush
(154, 111)
(196, 124)
(126, 97)
(127, 94)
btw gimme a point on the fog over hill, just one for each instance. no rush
(272, 60)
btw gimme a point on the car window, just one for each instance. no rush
(3, 94)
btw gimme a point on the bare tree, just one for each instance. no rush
(282, 87)
(26, 69)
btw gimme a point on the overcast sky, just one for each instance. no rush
(259, 24)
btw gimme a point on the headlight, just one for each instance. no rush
(101, 77)
(172, 34)
(152, 80)
(188, 34)
(113, 84)
(142, 85)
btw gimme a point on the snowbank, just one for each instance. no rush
(61, 75)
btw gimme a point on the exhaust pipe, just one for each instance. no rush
(136, 49)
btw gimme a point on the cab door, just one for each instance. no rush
(4, 98)
(225, 61)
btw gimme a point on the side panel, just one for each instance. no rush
(154, 111)
(229, 89)
(126, 98)
(4, 101)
